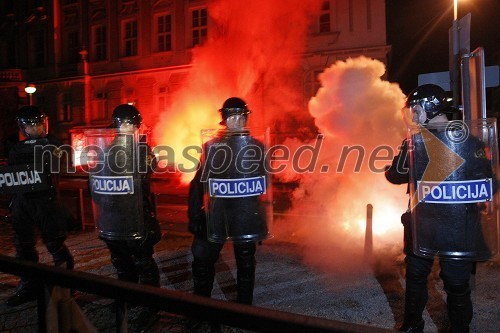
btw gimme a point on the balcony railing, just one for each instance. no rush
(15, 75)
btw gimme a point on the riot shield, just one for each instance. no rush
(238, 190)
(115, 183)
(454, 205)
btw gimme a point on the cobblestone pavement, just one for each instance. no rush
(373, 296)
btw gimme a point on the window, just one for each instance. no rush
(130, 38)
(36, 52)
(368, 14)
(163, 99)
(100, 43)
(199, 26)
(66, 108)
(72, 47)
(312, 85)
(100, 105)
(164, 33)
(324, 17)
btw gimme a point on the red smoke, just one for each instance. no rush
(252, 52)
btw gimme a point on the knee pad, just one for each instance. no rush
(205, 251)
(457, 290)
(203, 268)
(245, 250)
(245, 257)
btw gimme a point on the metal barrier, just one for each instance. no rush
(176, 302)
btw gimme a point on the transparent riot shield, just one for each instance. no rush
(238, 190)
(454, 205)
(115, 183)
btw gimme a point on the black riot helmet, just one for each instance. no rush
(126, 114)
(232, 106)
(424, 103)
(31, 116)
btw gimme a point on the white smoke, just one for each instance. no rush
(354, 107)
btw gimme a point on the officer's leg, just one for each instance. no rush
(456, 275)
(122, 261)
(205, 254)
(25, 249)
(146, 265)
(27, 288)
(417, 271)
(52, 225)
(245, 262)
(149, 274)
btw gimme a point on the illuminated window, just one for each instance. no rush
(199, 26)
(130, 38)
(324, 17)
(100, 43)
(164, 33)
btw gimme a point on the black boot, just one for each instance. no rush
(245, 262)
(459, 307)
(415, 301)
(148, 271)
(143, 320)
(203, 277)
(412, 328)
(26, 292)
(63, 256)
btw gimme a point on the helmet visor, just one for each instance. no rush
(118, 122)
(414, 114)
(35, 127)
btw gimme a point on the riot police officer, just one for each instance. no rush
(239, 219)
(40, 209)
(133, 258)
(442, 227)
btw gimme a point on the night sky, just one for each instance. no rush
(418, 33)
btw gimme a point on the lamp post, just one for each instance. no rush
(30, 90)
(455, 56)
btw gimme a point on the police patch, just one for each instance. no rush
(237, 188)
(112, 185)
(455, 192)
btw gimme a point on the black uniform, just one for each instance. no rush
(133, 259)
(38, 210)
(443, 226)
(231, 217)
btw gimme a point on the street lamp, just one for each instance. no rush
(455, 56)
(30, 90)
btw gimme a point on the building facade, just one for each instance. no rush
(87, 56)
